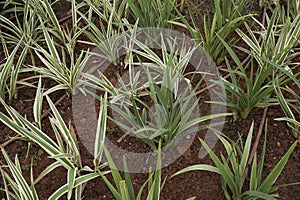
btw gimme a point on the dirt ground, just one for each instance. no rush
(201, 184)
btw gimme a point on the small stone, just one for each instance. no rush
(278, 144)
(188, 137)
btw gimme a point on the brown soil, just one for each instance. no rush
(201, 184)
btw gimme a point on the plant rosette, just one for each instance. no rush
(169, 80)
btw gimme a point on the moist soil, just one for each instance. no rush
(202, 185)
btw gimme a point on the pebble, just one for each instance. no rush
(278, 144)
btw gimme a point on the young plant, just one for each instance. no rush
(23, 31)
(56, 66)
(232, 169)
(105, 9)
(247, 91)
(19, 35)
(64, 150)
(219, 26)
(6, 71)
(154, 13)
(123, 189)
(278, 41)
(108, 36)
(171, 115)
(60, 61)
(234, 8)
(70, 156)
(16, 187)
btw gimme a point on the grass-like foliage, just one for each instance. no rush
(293, 8)
(123, 189)
(171, 115)
(107, 36)
(289, 107)
(269, 59)
(56, 66)
(64, 149)
(106, 9)
(154, 13)
(220, 26)
(18, 35)
(156, 93)
(16, 187)
(232, 169)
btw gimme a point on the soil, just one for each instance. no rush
(202, 185)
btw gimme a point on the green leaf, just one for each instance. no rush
(124, 191)
(71, 181)
(260, 195)
(101, 131)
(46, 171)
(246, 151)
(25, 191)
(78, 181)
(128, 181)
(274, 174)
(202, 167)
(37, 106)
(114, 170)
